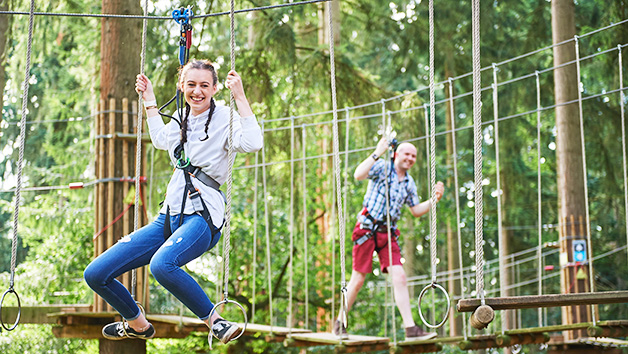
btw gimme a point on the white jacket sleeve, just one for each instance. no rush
(158, 132)
(247, 135)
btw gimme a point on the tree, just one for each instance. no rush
(571, 197)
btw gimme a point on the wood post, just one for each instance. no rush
(115, 173)
(574, 275)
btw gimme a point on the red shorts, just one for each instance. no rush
(363, 254)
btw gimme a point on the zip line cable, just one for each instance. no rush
(146, 17)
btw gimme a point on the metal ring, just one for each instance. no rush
(19, 310)
(436, 286)
(224, 302)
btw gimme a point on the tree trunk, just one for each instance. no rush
(571, 201)
(5, 30)
(323, 22)
(115, 157)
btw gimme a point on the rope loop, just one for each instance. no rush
(226, 301)
(434, 285)
(19, 309)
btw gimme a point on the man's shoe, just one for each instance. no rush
(340, 330)
(417, 333)
(225, 331)
(121, 330)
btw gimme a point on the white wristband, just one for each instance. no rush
(152, 103)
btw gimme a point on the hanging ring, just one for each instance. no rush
(19, 310)
(224, 302)
(434, 286)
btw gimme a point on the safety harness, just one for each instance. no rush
(190, 171)
(377, 226)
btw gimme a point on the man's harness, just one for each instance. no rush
(190, 171)
(377, 226)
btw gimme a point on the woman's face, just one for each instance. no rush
(198, 88)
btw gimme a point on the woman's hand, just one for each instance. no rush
(143, 85)
(234, 83)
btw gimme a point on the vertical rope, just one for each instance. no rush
(226, 249)
(267, 226)
(623, 135)
(339, 202)
(138, 147)
(584, 176)
(255, 192)
(538, 193)
(477, 151)
(20, 161)
(305, 242)
(387, 189)
(291, 275)
(432, 147)
(500, 223)
(457, 196)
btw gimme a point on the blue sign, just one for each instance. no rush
(579, 250)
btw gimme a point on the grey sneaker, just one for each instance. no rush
(225, 331)
(340, 330)
(121, 330)
(417, 333)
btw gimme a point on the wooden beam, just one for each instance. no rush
(552, 300)
(40, 314)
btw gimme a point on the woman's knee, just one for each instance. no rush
(93, 276)
(161, 268)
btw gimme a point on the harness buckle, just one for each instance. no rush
(194, 194)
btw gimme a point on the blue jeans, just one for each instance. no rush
(166, 257)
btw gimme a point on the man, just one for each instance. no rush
(371, 232)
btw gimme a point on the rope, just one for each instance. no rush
(456, 191)
(227, 239)
(339, 202)
(254, 240)
(68, 14)
(20, 162)
(538, 183)
(385, 126)
(477, 151)
(305, 242)
(432, 148)
(138, 151)
(502, 251)
(623, 134)
(584, 176)
(291, 275)
(267, 226)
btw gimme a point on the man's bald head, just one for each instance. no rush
(405, 157)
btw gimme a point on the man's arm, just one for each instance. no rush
(362, 171)
(422, 208)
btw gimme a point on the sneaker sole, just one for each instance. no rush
(229, 336)
(111, 337)
(130, 336)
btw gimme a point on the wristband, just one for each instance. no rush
(375, 157)
(150, 104)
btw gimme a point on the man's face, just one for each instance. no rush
(406, 156)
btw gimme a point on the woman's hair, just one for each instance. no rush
(201, 64)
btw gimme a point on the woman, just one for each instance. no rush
(189, 223)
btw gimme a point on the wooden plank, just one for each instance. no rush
(328, 338)
(551, 300)
(40, 314)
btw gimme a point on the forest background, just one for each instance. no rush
(283, 57)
